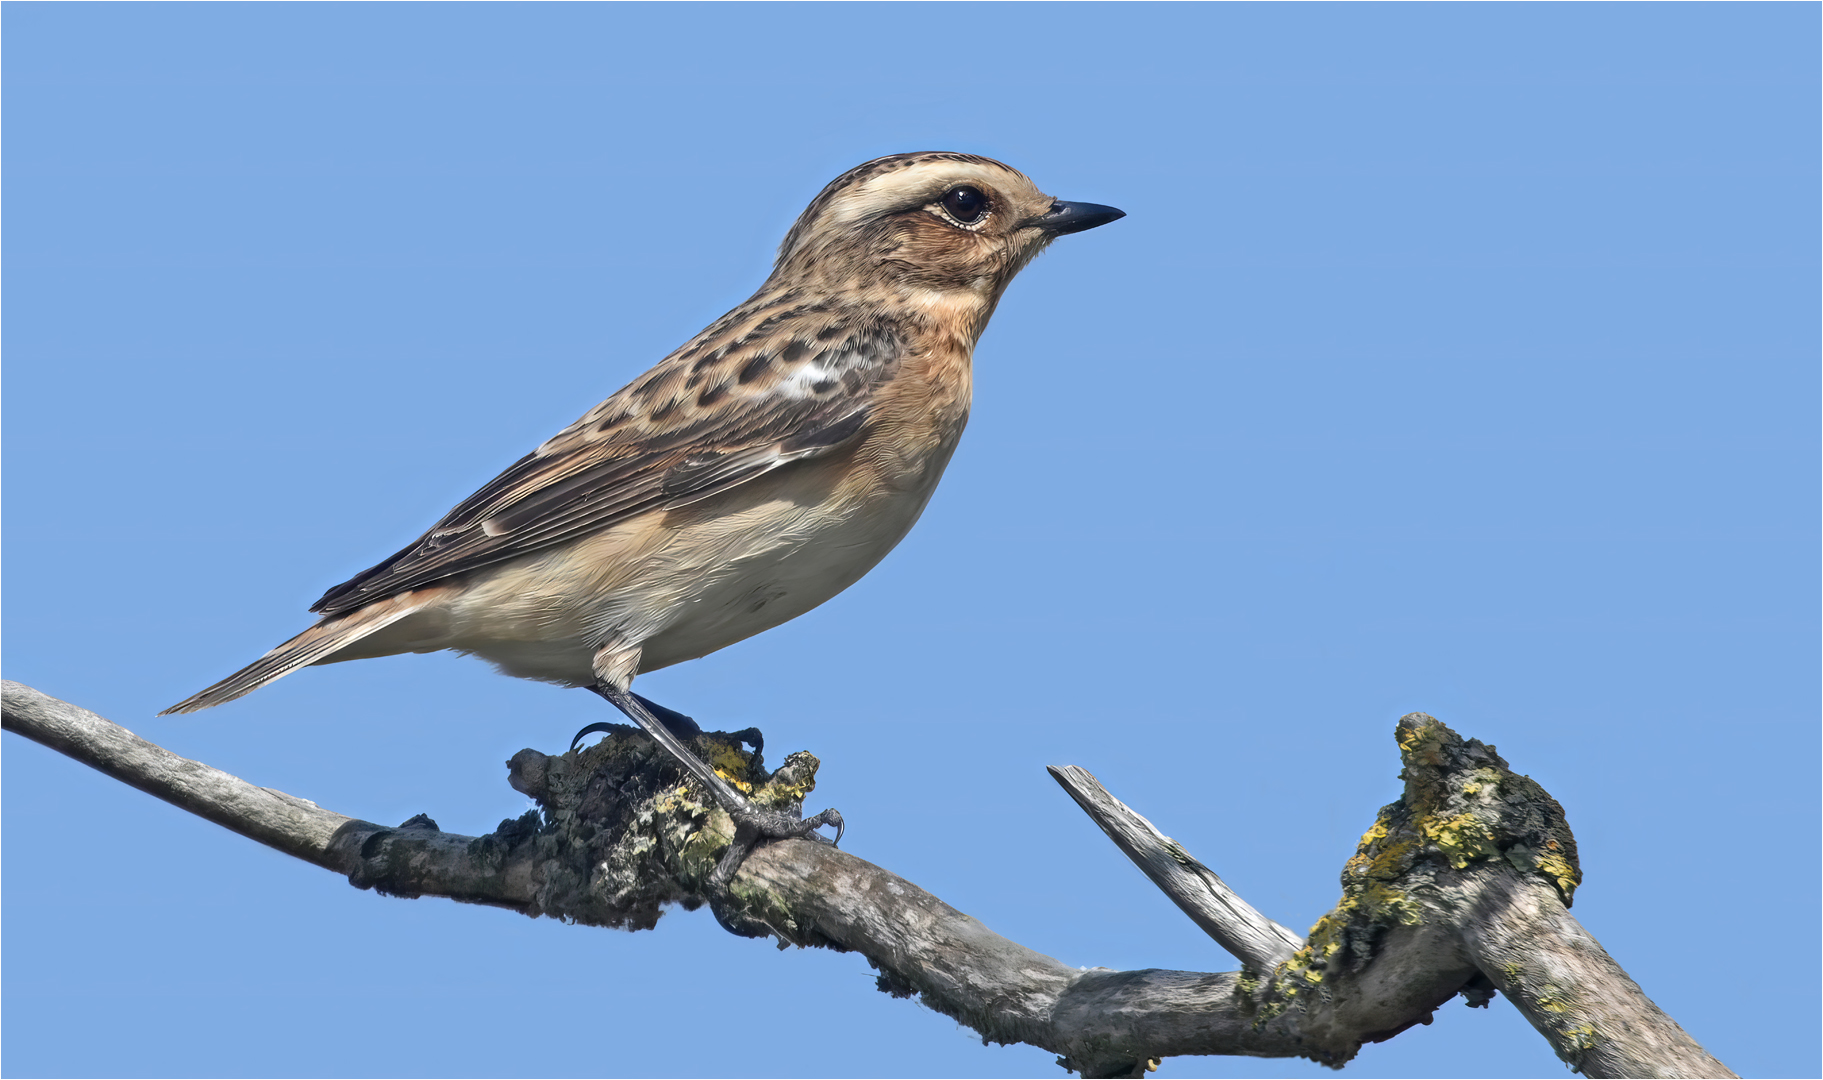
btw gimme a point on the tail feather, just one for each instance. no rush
(309, 647)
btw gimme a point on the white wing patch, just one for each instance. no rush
(800, 383)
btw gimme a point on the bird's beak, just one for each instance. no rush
(1068, 217)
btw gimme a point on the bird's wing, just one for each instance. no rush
(753, 392)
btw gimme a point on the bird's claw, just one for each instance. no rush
(675, 722)
(599, 725)
(827, 817)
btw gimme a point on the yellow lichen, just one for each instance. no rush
(1461, 805)
(1392, 860)
(1550, 863)
(788, 785)
(1577, 1041)
(729, 763)
(1559, 870)
(1412, 737)
(1552, 999)
(1462, 839)
(1382, 903)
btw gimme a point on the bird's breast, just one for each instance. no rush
(784, 548)
(819, 532)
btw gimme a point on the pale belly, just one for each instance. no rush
(677, 588)
(777, 582)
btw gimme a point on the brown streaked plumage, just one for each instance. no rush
(752, 474)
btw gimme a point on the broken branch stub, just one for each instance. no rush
(1463, 880)
(1466, 880)
(1256, 941)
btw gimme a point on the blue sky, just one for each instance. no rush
(1451, 358)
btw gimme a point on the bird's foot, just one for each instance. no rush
(753, 824)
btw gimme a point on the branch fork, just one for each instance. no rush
(1461, 886)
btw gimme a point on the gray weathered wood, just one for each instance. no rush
(393, 859)
(292, 825)
(1464, 880)
(1572, 991)
(1256, 941)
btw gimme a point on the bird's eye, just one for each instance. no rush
(966, 204)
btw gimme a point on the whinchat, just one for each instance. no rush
(751, 475)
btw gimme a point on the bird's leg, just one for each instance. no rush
(685, 727)
(680, 725)
(752, 824)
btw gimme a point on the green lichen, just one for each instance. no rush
(1462, 805)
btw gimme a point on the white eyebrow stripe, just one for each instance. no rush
(878, 194)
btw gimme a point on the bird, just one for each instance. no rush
(760, 469)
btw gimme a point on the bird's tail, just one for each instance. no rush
(312, 646)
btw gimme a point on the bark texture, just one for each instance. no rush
(1253, 939)
(1462, 886)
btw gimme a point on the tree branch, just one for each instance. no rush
(1571, 990)
(1461, 886)
(285, 822)
(1256, 941)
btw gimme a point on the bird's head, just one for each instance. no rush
(943, 228)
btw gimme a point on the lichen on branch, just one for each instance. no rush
(1462, 805)
(1462, 886)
